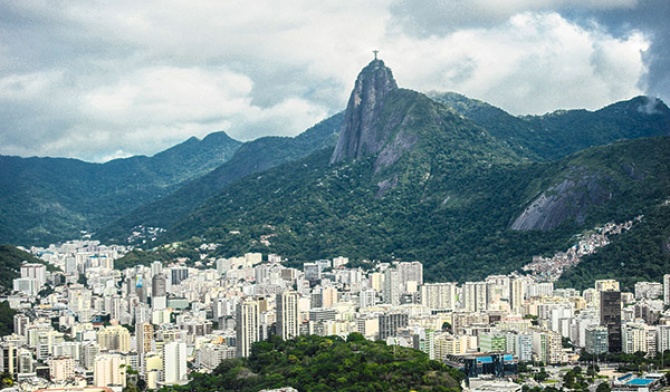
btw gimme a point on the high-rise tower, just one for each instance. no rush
(247, 326)
(288, 323)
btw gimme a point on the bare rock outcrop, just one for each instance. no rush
(568, 200)
(360, 136)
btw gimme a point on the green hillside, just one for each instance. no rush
(252, 157)
(641, 254)
(455, 183)
(555, 135)
(312, 363)
(46, 200)
(457, 222)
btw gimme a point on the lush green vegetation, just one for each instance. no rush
(576, 380)
(635, 362)
(643, 253)
(252, 157)
(555, 135)
(48, 200)
(6, 319)
(446, 194)
(454, 221)
(312, 363)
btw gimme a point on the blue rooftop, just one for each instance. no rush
(505, 358)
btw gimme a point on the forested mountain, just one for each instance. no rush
(252, 157)
(458, 223)
(456, 183)
(46, 200)
(558, 134)
(431, 185)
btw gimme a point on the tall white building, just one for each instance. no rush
(21, 322)
(410, 272)
(88, 352)
(439, 296)
(144, 337)
(392, 287)
(662, 338)
(27, 286)
(638, 337)
(35, 271)
(666, 289)
(109, 369)
(474, 296)
(366, 298)
(329, 297)
(247, 326)
(114, 338)
(61, 368)
(288, 316)
(516, 294)
(174, 363)
(521, 345)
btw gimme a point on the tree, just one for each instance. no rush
(604, 387)
(355, 337)
(6, 380)
(569, 379)
(567, 343)
(541, 375)
(522, 367)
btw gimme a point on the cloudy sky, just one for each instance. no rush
(96, 80)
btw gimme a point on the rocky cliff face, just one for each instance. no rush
(569, 200)
(360, 135)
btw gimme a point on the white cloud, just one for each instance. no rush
(440, 17)
(171, 94)
(533, 63)
(103, 79)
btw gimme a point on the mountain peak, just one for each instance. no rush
(359, 137)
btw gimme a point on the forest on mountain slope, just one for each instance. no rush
(456, 223)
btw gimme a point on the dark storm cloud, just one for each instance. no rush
(652, 17)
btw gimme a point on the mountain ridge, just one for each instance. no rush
(438, 187)
(46, 200)
(252, 157)
(463, 234)
(444, 179)
(560, 133)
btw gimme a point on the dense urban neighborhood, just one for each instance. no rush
(423, 242)
(79, 322)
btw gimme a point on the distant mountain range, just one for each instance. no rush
(459, 184)
(252, 157)
(46, 200)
